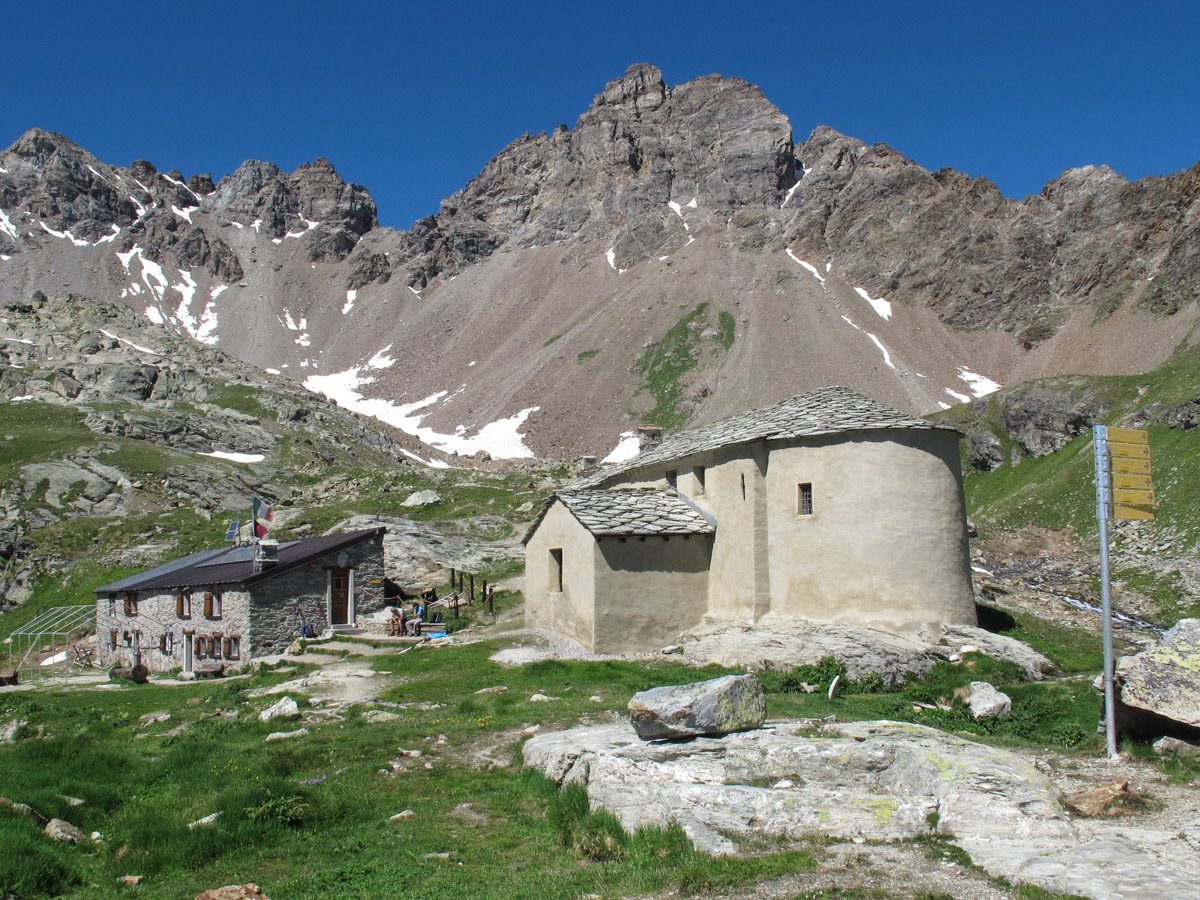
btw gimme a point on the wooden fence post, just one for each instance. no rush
(471, 595)
(492, 600)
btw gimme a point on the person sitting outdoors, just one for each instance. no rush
(396, 623)
(418, 618)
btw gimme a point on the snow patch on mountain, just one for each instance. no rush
(7, 227)
(501, 439)
(78, 242)
(881, 306)
(811, 268)
(980, 385)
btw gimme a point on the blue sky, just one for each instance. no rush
(411, 100)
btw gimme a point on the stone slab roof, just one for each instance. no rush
(825, 411)
(235, 565)
(629, 513)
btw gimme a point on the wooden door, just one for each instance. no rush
(187, 653)
(339, 596)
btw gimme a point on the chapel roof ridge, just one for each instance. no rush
(833, 409)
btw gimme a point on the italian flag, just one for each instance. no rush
(262, 515)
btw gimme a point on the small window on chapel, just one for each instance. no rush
(672, 478)
(804, 500)
(698, 475)
(556, 570)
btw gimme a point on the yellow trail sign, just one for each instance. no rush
(1129, 482)
(1131, 466)
(1128, 435)
(1131, 512)
(1128, 451)
(1133, 498)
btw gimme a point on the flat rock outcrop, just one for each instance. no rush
(861, 781)
(863, 651)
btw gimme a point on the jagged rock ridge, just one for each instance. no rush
(536, 288)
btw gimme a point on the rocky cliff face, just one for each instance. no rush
(674, 254)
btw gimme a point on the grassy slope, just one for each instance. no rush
(313, 815)
(1057, 492)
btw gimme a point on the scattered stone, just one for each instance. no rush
(422, 498)
(412, 754)
(378, 716)
(436, 856)
(234, 892)
(24, 809)
(130, 880)
(669, 649)
(541, 698)
(720, 706)
(986, 702)
(596, 698)
(492, 690)
(210, 819)
(1098, 800)
(463, 811)
(60, 830)
(403, 814)
(1169, 746)
(73, 801)
(833, 686)
(194, 701)
(284, 708)
(285, 735)
(8, 730)
(153, 718)
(187, 676)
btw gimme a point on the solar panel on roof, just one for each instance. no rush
(230, 555)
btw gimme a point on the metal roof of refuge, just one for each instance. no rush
(640, 511)
(827, 410)
(235, 565)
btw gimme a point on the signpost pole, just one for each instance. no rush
(1103, 508)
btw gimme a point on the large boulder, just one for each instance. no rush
(716, 707)
(1160, 687)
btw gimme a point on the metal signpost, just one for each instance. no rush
(1123, 491)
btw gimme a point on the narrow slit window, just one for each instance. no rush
(556, 570)
(672, 478)
(804, 500)
(698, 474)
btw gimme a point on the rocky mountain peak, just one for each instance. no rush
(642, 87)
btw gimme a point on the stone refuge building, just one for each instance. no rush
(231, 604)
(827, 506)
